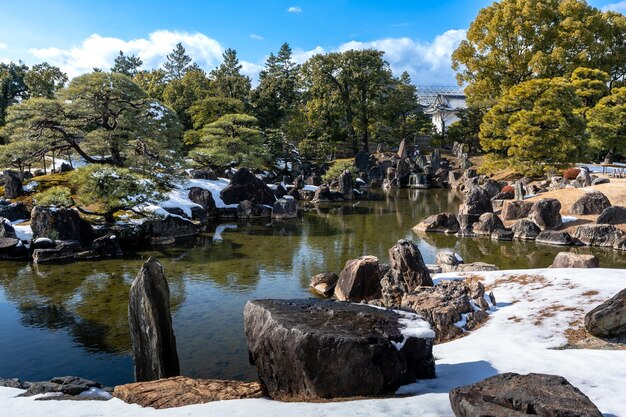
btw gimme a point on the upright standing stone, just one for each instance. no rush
(435, 159)
(402, 151)
(154, 343)
(519, 191)
(12, 185)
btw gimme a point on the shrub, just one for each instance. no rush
(55, 196)
(508, 189)
(112, 188)
(571, 173)
(338, 167)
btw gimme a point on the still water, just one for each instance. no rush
(72, 319)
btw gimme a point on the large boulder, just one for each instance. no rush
(590, 203)
(205, 199)
(12, 184)
(612, 215)
(604, 235)
(153, 340)
(314, 349)
(492, 187)
(476, 203)
(521, 395)
(246, 186)
(441, 223)
(14, 212)
(525, 230)
(515, 209)
(180, 391)
(554, 237)
(61, 251)
(165, 230)
(324, 284)
(609, 318)
(285, 208)
(575, 260)
(487, 224)
(546, 213)
(60, 224)
(359, 280)
(407, 266)
(444, 305)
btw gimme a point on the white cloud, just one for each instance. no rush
(98, 51)
(3, 45)
(295, 9)
(616, 7)
(256, 37)
(428, 63)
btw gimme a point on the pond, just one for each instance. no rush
(72, 319)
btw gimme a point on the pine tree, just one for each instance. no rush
(127, 65)
(227, 79)
(177, 63)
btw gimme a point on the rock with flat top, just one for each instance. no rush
(285, 208)
(180, 391)
(575, 260)
(515, 209)
(440, 223)
(476, 267)
(487, 224)
(554, 237)
(153, 340)
(514, 395)
(316, 349)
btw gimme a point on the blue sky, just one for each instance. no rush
(416, 35)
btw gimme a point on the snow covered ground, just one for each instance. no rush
(534, 308)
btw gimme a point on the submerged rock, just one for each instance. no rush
(285, 208)
(12, 249)
(314, 349)
(441, 223)
(519, 395)
(153, 340)
(609, 318)
(180, 391)
(324, 284)
(554, 237)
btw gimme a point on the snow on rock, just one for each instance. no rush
(522, 335)
(568, 219)
(23, 232)
(178, 197)
(31, 186)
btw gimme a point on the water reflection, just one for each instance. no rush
(78, 312)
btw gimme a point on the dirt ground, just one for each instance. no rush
(615, 191)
